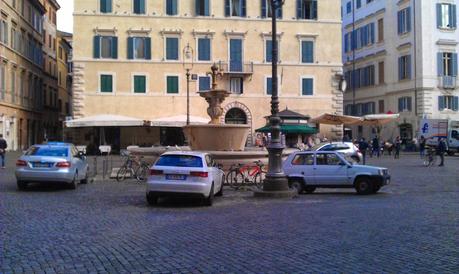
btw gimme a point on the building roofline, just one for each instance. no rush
(55, 4)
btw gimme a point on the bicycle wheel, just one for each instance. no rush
(258, 180)
(141, 173)
(234, 179)
(121, 174)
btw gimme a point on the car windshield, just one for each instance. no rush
(48, 151)
(180, 161)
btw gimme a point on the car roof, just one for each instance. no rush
(57, 144)
(53, 146)
(186, 153)
(314, 152)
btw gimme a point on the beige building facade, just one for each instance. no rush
(129, 60)
(21, 74)
(64, 77)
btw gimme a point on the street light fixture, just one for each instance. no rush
(188, 54)
(276, 183)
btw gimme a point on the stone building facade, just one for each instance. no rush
(128, 58)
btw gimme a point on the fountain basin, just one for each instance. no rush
(213, 137)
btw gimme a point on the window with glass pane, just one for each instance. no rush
(448, 102)
(106, 47)
(172, 48)
(139, 6)
(307, 86)
(2, 82)
(269, 50)
(404, 67)
(204, 83)
(140, 84)
(269, 85)
(106, 83)
(139, 48)
(204, 49)
(172, 84)
(307, 9)
(236, 85)
(202, 7)
(235, 8)
(266, 10)
(171, 7)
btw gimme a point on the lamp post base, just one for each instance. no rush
(275, 187)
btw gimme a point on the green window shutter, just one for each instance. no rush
(96, 47)
(441, 103)
(130, 48)
(171, 48)
(307, 86)
(172, 84)
(106, 83)
(140, 85)
(269, 86)
(114, 44)
(307, 52)
(455, 103)
(148, 48)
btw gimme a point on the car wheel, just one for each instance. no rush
(210, 200)
(220, 193)
(297, 186)
(73, 184)
(363, 186)
(309, 189)
(152, 200)
(21, 185)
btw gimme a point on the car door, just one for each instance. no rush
(330, 169)
(303, 163)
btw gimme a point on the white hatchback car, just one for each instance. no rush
(178, 173)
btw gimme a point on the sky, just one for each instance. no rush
(65, 16)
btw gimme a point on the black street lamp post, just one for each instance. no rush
(188, 65)
(276, 183)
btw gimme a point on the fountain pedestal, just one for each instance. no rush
(216, 136)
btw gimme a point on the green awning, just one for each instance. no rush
(292, 129)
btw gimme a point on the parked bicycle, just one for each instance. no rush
(431, 156)
(240, 175)
(133, 167)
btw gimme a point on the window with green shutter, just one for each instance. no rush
(171, 7)
(106, 83)
(172, 84)
(172, 48)
(307, 86)
(307, 51)
(105, 6)
(140, 84)
(139, 6)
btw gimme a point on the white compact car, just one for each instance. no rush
(178, 173)
(346, 148)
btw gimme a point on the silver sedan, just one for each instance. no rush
(58, 162)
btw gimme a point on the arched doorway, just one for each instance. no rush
(235, 116)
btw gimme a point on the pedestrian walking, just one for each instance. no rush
(422, 146)
(363, 147)
(441, 149)
(375, 145)
(3, 147)
(397, 146)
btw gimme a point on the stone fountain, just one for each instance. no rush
(216, 136)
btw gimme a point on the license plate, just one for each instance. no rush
(175, 177)
(41, 165)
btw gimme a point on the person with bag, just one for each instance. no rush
(3, 147)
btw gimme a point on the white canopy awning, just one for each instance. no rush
(178, 121)
(106, 120)
(379, 119)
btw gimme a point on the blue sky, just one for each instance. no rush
(64, 16)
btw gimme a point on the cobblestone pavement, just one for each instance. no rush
(107, 227)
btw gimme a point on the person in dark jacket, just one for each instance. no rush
(363, 146)
(3, 147)
(397, 146)
(441, 149)
(422, 147)
(375, 146)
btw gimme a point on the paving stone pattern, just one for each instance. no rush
(107, 227)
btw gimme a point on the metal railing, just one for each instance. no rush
(236, 67)
(448, 82)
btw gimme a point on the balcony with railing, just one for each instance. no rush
(447, 82)
(236, 68)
